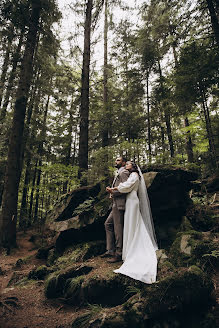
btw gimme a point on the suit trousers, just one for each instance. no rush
(114, 230)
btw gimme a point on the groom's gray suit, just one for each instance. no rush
(115, 221)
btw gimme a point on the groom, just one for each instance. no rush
(114, 222)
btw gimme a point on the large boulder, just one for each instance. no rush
(80, 215)
(167, 303)
(168, 193)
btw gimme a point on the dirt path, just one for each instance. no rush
(27, 307)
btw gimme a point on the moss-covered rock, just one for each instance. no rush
(193, 247)
(56, 282)
(40, 272)
(202, 217)
(183, 246)
(166, 303)
(72, 290)
(81, 252)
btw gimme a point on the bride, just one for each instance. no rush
(139, 241)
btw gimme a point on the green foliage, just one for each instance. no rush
(86, 206)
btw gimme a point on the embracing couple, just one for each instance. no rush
(130, 235)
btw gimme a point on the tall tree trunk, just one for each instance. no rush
(15, 60)
(166, 115)
(148, 116)
(68, 150)
(6, 62)
(30, 211)
(214, 19)
(208, 129)
(163, 143)
(23, 218)
(189, 147)
(84, 108)
(8, 216)
(40, 155)
(39, 171)
(105, 140)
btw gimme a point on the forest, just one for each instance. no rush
(82, 82)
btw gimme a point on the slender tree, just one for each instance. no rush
(84, 108)
(8, 216)
(105, 141)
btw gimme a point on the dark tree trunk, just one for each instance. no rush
(105, 141)
(84, 108)
(6, 62)
(166, 116)
(189, 147)
(210, 135)
(39, 171)
(16, 58)
(148, 117)
(163, 143)
(31, 195)
(23, 222)
(74, 149)
(8, 216)
(214, 20)
(68, 150)
(40, 155)
(23, 219)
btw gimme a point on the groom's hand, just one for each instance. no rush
(108, 189)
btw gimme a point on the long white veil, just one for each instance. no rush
(146, 209)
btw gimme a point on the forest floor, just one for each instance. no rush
(25, 306)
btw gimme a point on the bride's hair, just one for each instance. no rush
(135, 169)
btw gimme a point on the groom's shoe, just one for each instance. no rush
(107, 255)
(114, 259)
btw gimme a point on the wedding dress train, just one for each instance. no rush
(139, 256)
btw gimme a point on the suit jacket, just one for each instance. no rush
(120, 198)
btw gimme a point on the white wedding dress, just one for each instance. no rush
(139, 256)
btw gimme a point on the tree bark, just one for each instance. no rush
(189, 147)
(23, 218)
(148, 117)
(6, 62)
(15, 60)
(8, 216)
(209, 129)
(40, 154)
(105, 140)
(84, 108)
(166, 115)
(31, 195)
(214, 20)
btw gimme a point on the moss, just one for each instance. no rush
(25, 282)
(165, 268)
(182, 249)
(195, 269)
(39, 273)
(186, 225)
(56, 282)
(81, 252)
(202, 217)
(72, 290)
(180, 291)
(53, 288)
